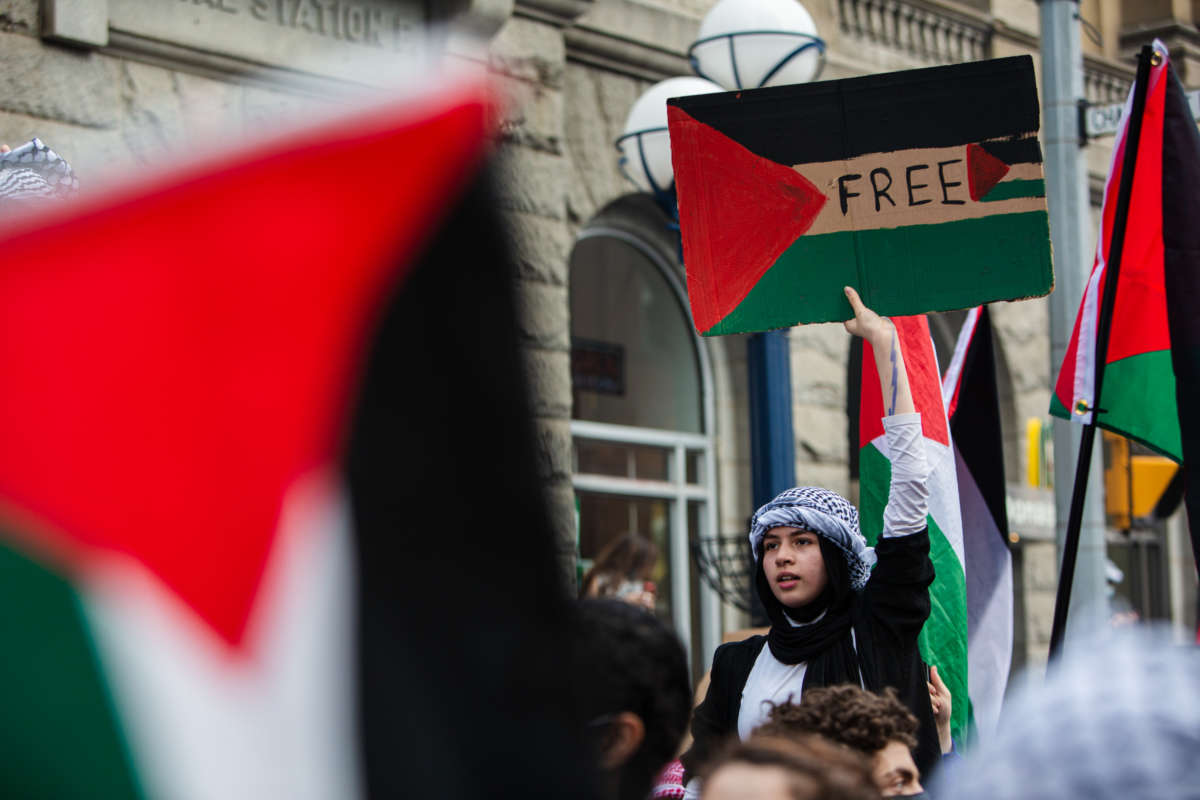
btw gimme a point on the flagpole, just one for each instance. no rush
(1111, 274)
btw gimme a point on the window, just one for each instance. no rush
(641, 428)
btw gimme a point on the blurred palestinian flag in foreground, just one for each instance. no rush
(270, 523)
(944, 638)
(886, 182)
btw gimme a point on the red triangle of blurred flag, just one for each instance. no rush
(177, 357)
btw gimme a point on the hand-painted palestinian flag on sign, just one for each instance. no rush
(235, 491)
(923, 189)
(944, 637)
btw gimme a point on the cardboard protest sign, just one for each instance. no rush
(923, 189)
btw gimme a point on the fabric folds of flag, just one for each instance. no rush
(972, 404)
(230, 443)
(1139, 385)
(944, 637)
(1152, 364)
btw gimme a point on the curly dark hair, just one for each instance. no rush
(847, 714)
(626, 659)
(817, 769)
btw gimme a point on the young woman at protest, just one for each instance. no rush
(833, 619)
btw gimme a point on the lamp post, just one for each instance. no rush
(645, 146)
(743, 44)
(748, 44)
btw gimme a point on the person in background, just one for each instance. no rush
(623, 570)
(772, 768)
(632, 690)
(876, 725)
(834, 619)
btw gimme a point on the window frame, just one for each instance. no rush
(676, 491)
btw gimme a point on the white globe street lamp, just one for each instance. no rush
(747, 44)
(644, 145)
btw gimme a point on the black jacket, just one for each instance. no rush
(887, 616)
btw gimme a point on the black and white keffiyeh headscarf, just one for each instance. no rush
(826, 514)
(34, 172)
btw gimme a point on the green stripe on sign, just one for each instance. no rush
(1139, 402)
(935, 267)
(943, 639)
(60, 737)
(1007, 190)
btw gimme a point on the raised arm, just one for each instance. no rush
(889, 360)
(908, 496)
(897, 591)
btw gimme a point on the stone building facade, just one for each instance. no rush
(114, 85)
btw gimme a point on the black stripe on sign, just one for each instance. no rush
(830, 120)
(1016, 151)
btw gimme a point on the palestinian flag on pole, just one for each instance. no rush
(1152, 368)
(886, 182)
(944, 637)
(231, 481)
(1139, 384)
(972, 403)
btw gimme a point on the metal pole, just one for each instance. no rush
(1067, 197)
(772, 447)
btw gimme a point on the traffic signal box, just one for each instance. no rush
(1133, 481)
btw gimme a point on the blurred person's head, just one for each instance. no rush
(796, 768)
(631, 682)
(877, 725)
(622, 568)
(1115, 717)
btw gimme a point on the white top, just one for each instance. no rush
(769, 683)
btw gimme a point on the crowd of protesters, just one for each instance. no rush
(834, 701)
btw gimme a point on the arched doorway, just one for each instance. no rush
(642, 418)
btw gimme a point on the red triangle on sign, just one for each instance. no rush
(984, 171)
(738, 212)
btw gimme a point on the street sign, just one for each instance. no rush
(1104, 120)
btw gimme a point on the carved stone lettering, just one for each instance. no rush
(343, 20)
(320, 36)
